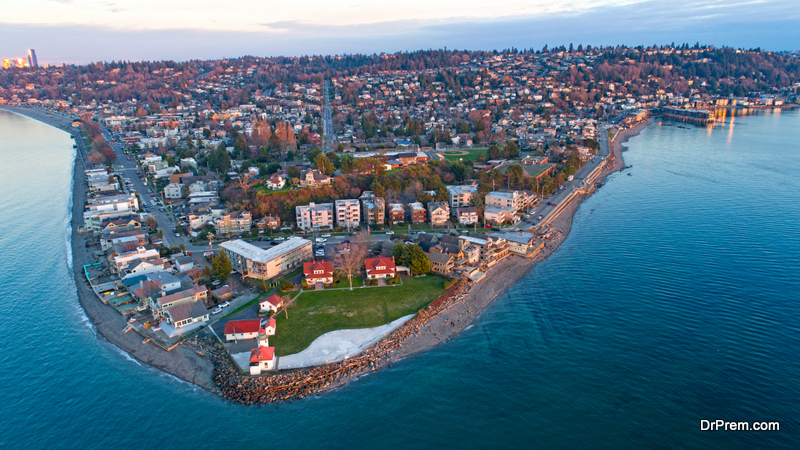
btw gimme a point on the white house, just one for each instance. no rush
(236, 330)
(277, 182)
(273, 303)
(262, 359)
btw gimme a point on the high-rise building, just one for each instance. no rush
(32, 61)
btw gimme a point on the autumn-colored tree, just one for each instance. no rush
(246, 181)
(350, 258)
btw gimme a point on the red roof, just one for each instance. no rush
(274, 300)
(262, 354)
(271, 322)
(373, 264)
(243, 326)
(325, 266)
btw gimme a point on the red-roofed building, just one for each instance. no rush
(262, 358)
(242, 329)
(272, 303)
(318, 272)
(380, 267)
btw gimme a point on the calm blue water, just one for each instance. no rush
(674, 299)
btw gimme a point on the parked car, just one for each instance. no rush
(216, 310)
(224, 304)
(326, 235)
(390, 232)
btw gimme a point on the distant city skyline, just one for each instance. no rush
(81, 31)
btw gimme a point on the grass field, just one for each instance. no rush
(467, 154)
(263, 188)
(315, 313)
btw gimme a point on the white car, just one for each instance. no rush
(280, 239)
(327, 235)
(216, 310)
(224, 304)
(390, 232)
(321, 240)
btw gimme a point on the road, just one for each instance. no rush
(127, 169)
(543, 208)
(328, 137)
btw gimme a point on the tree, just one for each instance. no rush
(221, 267)
(400, 254)
(515, 173)
(512, 150)
(219, 160)
(418, 260)
(246, 182)
(151, 223)
(349, 259)
(323, 164)
(494, 152)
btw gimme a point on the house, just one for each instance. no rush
(271, 222)
(441, 262)
(160, 305)
(314, 215)
(318, 272)
(313, 178)
(348, 213)
(417, 212)
(277, 182)
(262, 359)
(238, 330)
(236, 222)
(396, 213)
(498, 215)
(380, 267)
(255, 262)
(222, 293)
(122, 261)
(273, 303)
(174, 191)
(187, 314)
(184, 263)
(438, 213)
(520, 243)
(467, 215)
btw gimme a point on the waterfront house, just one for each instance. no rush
(237, 330)
(380, 267)
(262, 359)
(441, 262)
(183, 315)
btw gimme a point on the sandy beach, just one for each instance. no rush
(444, 319)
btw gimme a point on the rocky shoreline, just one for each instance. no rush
(204, 362)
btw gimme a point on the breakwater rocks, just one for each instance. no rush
(296, 384)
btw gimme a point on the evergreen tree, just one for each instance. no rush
(221, 267)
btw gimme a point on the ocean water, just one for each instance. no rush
(674, 299)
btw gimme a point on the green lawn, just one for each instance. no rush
(315, 313)
(358, 280)
(404, 227)
(472, 154)
(263, 188)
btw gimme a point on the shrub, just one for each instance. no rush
(288, 285)
(304, 283)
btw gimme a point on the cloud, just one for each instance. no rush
(748, 24)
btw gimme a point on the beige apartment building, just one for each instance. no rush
(255, 262)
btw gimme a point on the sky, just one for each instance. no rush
(82, 31)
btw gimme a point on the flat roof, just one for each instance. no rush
(251, 252)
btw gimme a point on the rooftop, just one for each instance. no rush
(251, 252)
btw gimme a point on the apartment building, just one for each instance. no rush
(348, 213)
(374, 208)
(236, 222)
(397, 213)
(314, 215)
(438, 213)
(417, 212)
(461, 195)
(254, 262)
